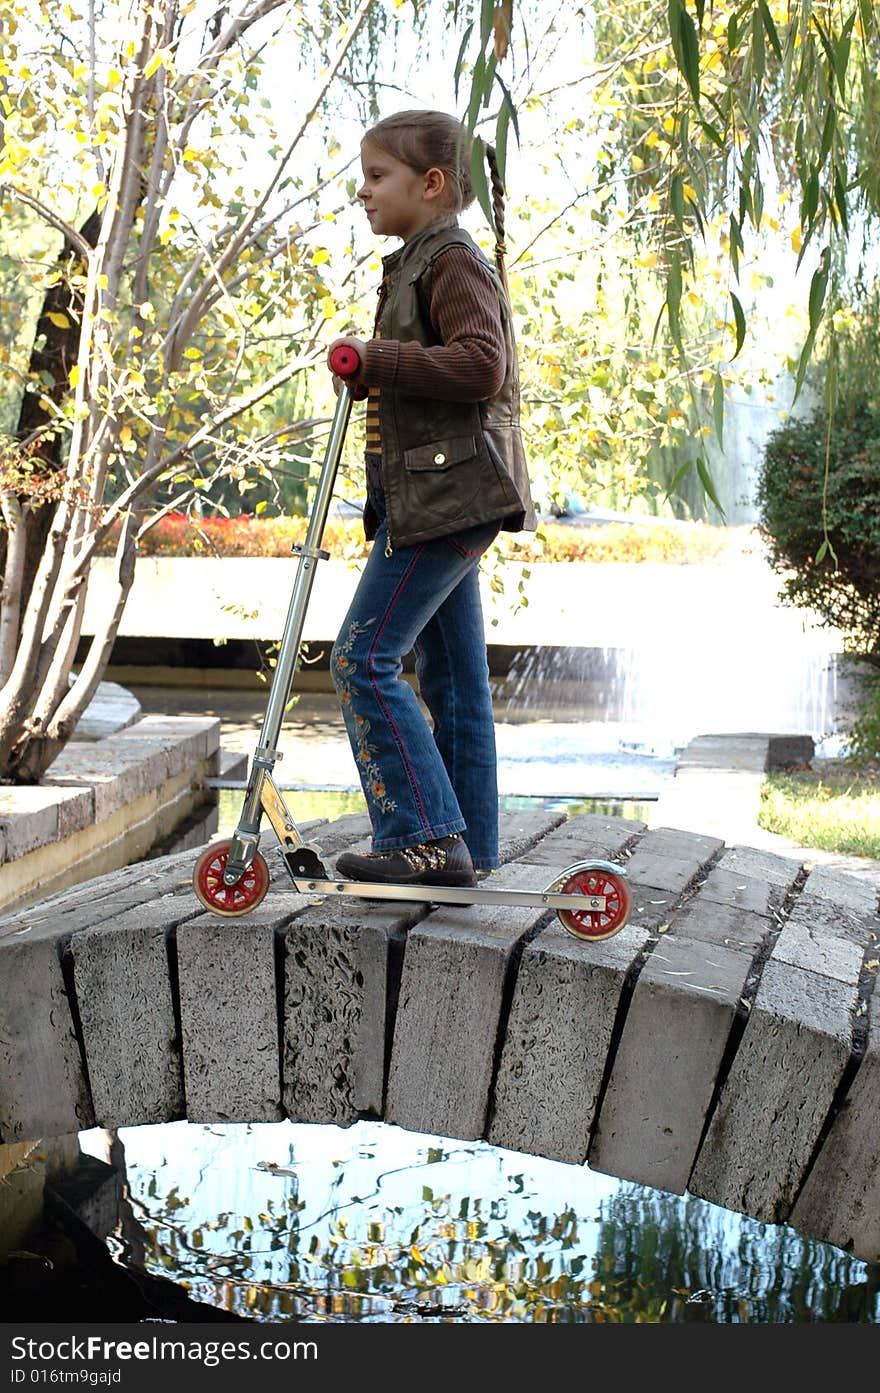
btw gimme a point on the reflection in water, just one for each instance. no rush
(296, 1222)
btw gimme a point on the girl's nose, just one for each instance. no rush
(362, 192)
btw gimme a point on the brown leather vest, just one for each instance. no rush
(446, 465)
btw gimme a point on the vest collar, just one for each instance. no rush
(395, 258)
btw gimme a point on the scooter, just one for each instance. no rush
(231, 878)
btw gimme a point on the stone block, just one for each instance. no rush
(808, 945)
(582, 838)
(452, 990)
(519, 832)
(741, 751)
(705, 921)
(126, 1009)
(840, 1199)
(668, 859)
(781, 872)
(777, 1095)
(341, 977)
(565, 1002)
(842, 890)
(28, 818)
(756, 882)
(790, 751)
(229, 1016)
(665, 1068)
(185, 740)
(110, 709)
(43, 1087)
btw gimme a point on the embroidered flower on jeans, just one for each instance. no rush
(344, 671)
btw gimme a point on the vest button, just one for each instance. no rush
(439, 459)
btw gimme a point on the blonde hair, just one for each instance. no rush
(434, 140)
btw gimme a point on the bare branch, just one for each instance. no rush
(69, 233)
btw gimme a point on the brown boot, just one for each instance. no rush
(446, 861)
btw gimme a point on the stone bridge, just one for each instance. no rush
(725, 1042)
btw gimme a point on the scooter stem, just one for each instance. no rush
(244, 842)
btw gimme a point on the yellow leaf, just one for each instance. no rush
(319, 256)
(59, 320)
(796, 240)
(74, 375)
(156, 62)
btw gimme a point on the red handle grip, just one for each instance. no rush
(345, 361)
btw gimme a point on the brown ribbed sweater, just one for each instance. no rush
(469, 362)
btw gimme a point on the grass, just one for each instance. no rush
(833, 807)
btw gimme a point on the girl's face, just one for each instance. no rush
(398, 201)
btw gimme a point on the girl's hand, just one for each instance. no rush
(357, 346)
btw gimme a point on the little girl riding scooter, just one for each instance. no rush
(445, 472)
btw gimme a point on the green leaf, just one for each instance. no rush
(740, 322)
(733, 34)
(677, 477)
(501, 128)
(803, 364)
(840, 199)
(770, 27)
(810, 200)
(673, 300)
(487, 14)
(713, 133)
(685, 46)
(461, 52)
(676, 199)
(480, 181)
(708, 483)
(868, 17)
(818, 287)
(821, 553)
(736, 244)
(718, 407)
(757, 48)
(828, 132)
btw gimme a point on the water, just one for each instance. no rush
(651, 702)
(288, 1222)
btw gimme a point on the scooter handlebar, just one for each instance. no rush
(345, 361)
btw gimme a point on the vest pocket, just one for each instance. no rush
(443, 477)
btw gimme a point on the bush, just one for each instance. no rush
(673, 544)
(842, 583)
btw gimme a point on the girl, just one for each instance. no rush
(445, 472)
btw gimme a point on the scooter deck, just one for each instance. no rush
(450, 894)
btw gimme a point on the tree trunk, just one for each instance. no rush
(50, 365)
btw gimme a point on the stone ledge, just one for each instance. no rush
(103, 802)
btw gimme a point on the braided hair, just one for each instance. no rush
(434, 140)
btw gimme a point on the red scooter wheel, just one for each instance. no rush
(229, 900)
(593, 878)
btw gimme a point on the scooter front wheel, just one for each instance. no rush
(229, 900)
(594, 878)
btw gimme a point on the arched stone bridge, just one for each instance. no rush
(725, 1042)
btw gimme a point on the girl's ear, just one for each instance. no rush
(435, 183)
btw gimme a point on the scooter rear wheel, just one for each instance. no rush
(593, 878)
(229, 900)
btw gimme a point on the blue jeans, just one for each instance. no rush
(422, 783)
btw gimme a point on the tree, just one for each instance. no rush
(157, 314)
